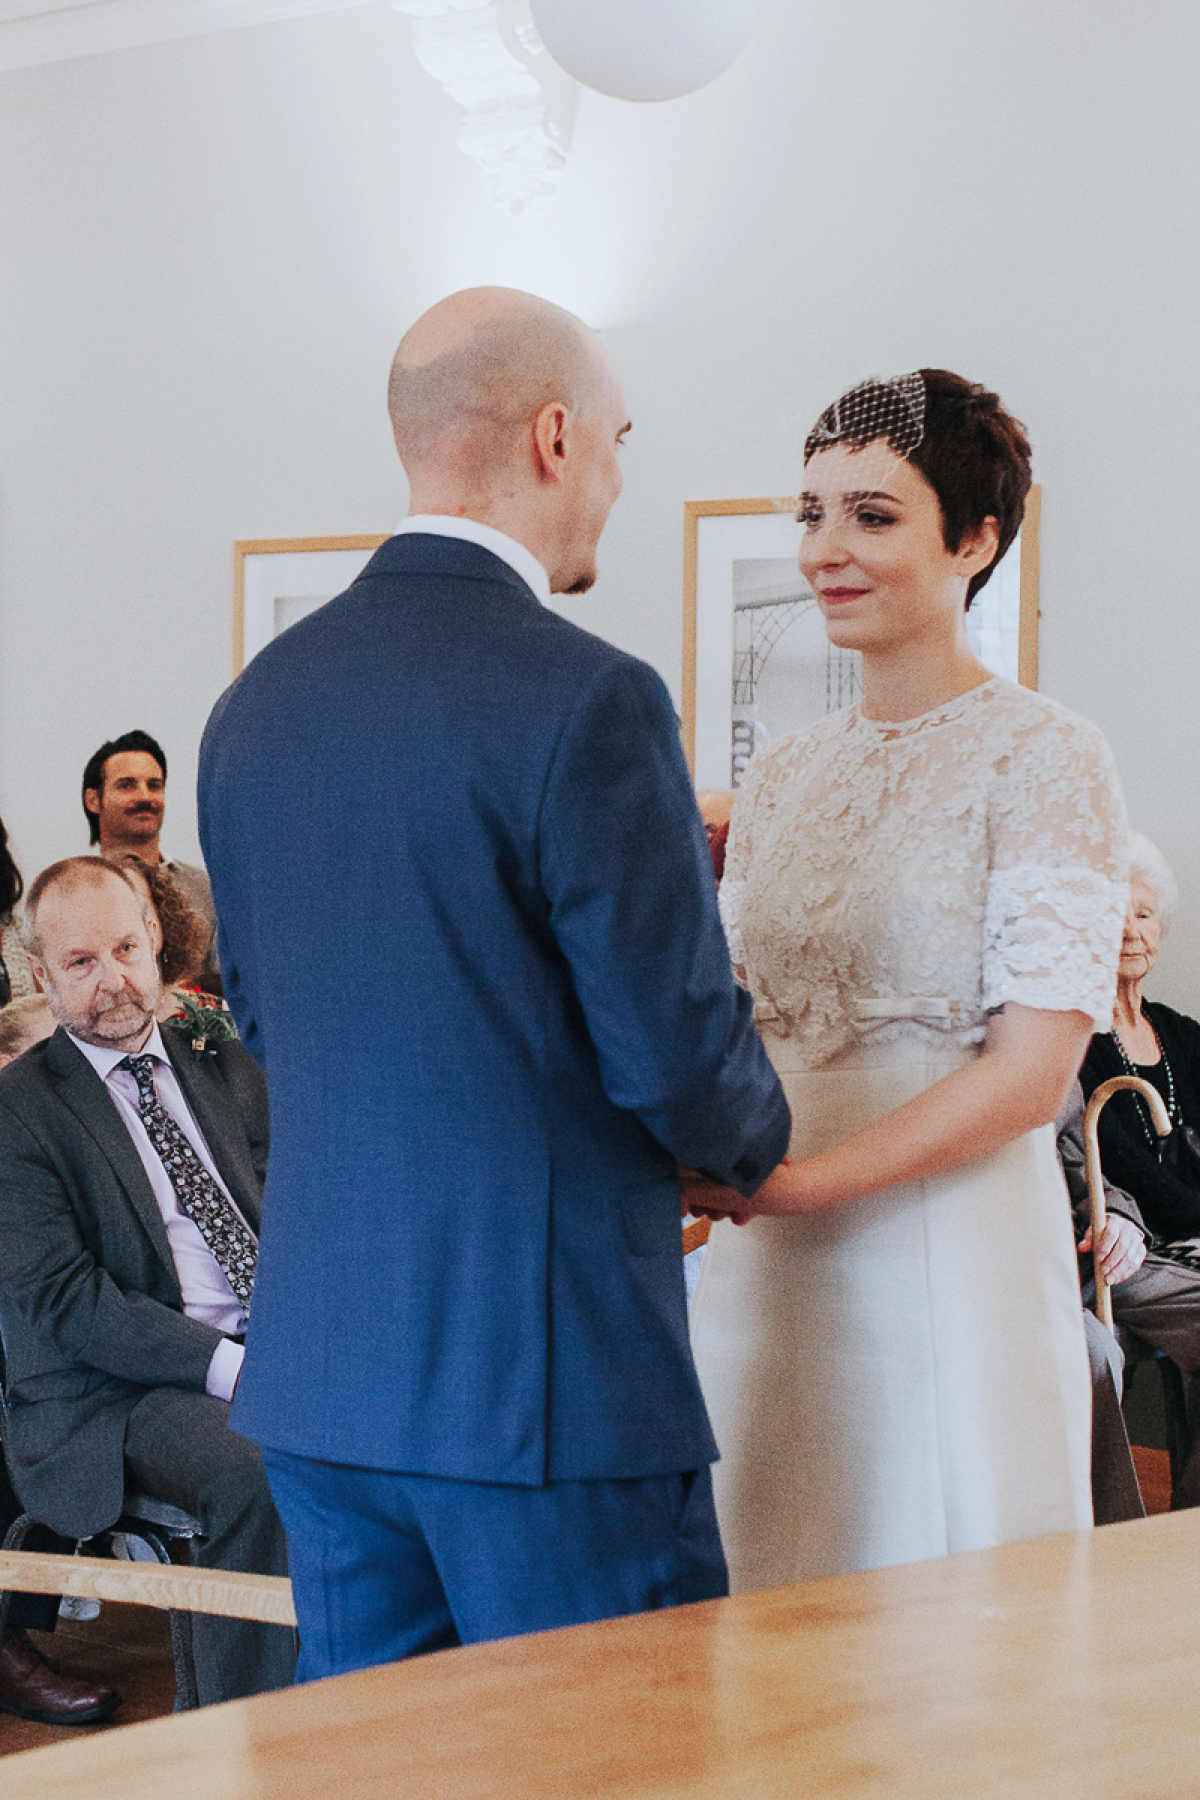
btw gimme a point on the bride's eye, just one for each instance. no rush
(809, 515)
(873, 518)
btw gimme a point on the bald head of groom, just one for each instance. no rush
(508, 410)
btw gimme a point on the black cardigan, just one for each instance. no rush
(1168, 1195)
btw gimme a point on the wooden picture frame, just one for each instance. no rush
(277, 580)
(726, 540)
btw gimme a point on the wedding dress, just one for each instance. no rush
(906, 1375)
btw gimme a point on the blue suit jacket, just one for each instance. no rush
(468, 924)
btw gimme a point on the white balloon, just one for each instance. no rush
(645, 49)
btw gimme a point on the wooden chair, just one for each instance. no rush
(1180, 1433)
(696, 1233)
(158, 1526)
(267, 1598)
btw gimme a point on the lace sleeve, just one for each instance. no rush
(739, 852)
(1058, 878)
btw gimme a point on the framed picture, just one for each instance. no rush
(756, 660)
(278, 580)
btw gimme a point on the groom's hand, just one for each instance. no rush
(705, 1198)
(700, 1195)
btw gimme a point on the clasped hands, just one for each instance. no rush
(705, 1198)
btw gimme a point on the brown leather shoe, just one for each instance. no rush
(32, 1688)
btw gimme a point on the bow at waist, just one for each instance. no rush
(902, 1006)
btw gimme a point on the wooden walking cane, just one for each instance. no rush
(1095, 1180)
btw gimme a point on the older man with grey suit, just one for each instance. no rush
(131, 1171)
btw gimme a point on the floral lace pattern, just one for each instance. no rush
(893, 882)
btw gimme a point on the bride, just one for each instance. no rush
(925, 895)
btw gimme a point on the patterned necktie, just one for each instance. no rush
(214, 1217)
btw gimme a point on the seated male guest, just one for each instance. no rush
(30, 1686)
(131, 1171)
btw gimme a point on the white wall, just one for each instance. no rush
(208, 250)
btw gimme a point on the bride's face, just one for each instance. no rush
(873, 550)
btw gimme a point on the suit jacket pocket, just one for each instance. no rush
(650, 1219)
(59, 1384)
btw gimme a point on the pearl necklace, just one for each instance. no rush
(1173, 1113)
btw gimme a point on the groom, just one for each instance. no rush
(468, 924)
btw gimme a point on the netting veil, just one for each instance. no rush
(893, 409)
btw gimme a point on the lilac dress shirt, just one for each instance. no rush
(207, 1294)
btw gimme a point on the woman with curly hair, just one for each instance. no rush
(181, 939)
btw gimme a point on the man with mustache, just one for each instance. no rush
(124, 798)
(131, 1171)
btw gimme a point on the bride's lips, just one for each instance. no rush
(835, 596)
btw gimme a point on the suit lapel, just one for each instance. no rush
(209, 1100)
(81, 1089)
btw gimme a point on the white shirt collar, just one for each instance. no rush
(105, 1060)
(518, 558)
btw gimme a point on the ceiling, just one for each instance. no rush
(44, 31)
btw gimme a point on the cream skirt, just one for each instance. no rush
(905, 1376)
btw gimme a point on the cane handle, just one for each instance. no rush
(1095, 1180)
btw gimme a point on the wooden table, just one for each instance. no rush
(1065, 1667)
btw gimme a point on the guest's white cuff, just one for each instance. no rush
(224, 1369)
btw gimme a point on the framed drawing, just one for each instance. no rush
(756, 661)
(278, 580)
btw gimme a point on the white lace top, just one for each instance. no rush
(893, 882)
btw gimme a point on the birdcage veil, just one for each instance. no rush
(892, 409)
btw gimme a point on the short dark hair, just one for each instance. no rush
(11, 885)
(93, 774)
(974, 455)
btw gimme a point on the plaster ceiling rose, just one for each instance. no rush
(645, 49)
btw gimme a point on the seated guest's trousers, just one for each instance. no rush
(35, 1612)
(387, 1566)
(179, 1448)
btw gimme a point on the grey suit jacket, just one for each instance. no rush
(91, 1312)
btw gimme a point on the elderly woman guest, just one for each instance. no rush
(1154, 1041)
(924, 894)
(16, 977)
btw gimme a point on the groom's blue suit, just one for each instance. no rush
(468, 924)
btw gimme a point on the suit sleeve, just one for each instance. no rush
(633, 906)
(53, 1291)
(238, 999)
(246, 1087)
(235, 983)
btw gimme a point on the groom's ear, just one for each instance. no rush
(550, 436)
